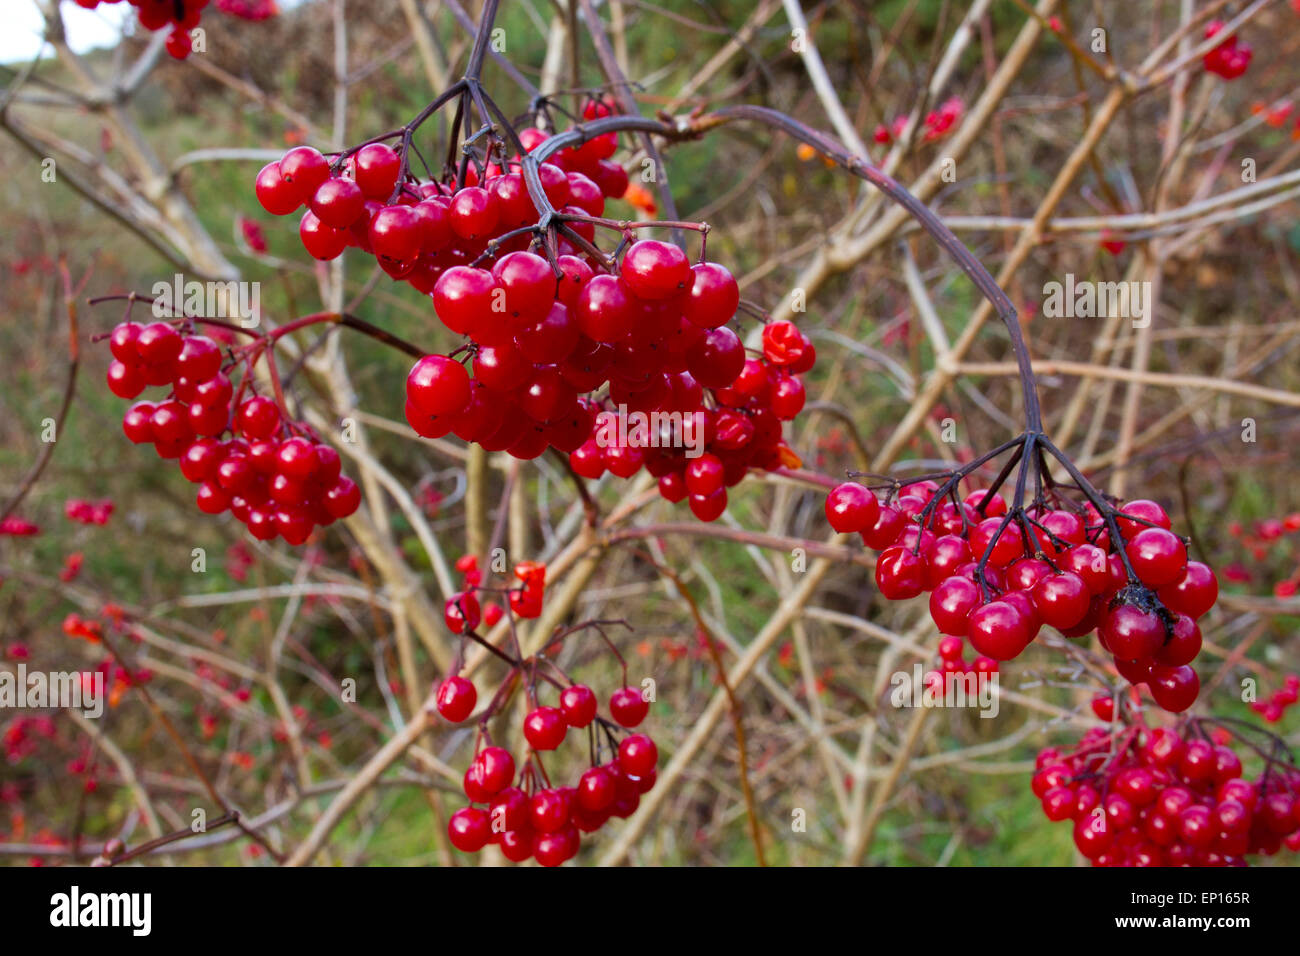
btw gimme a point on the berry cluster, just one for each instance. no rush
(938, 123)
(739, 429)
(1274, 709)
(997, 581)
(88, 512)
(555, 340)
(1155, 797)
(1230, 58)
(16, 527)
(182, 16)
(272, 474)
(524, 813)
(417, 230)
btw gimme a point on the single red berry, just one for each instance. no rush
(304, 170)
(1194, 593)
(462, 612)
(338, 203)
(1062, 599)
(550, 810)
(900, 573)
(999, 630)
(1174, 688)
(496, 769)
(628, 707)
(376, 167)
(276, 196)
(1159, 557)
(851, 508)
(595, 790)
(438, 385)
(713, 298)
(321, 241)
(469, 829)
(396, 233)
(545, 728)
(456, 699)
(951, 604)
(578, 704)
(637, 755)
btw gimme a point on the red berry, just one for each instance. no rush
(376, 167)
(462, 612)
(637, 755)
(338, 203)
(900, 573)
(656, 270)
(438, 385)
(1062, 600)
(1174, 688)
(303, 169)
(321, 241)
(595, 790)
(999, 630)
(627, 707)
(469, 829)
(276, 196)
(578, 705)
(713, 298)
(851, 508)
(1158, 557)
(545, 728)
(496, 769)
(1194, 593)
(456, 699)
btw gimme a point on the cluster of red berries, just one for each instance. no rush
(418, 230)
(23, 734)
(938, 123)
(952, 660)
(1153, 797)
(738, 430)
(1230, 58)
(1259, 541)
(1274, 709)
(88, 512)
(464, 612)
(272, 474)
(16, 527)
(997, 581)
(648, 332)
(182, 16)
(543, 822)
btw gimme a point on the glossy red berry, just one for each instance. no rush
(713, 298)
(469, 829)
(851, 508)
(628, 707)
(656, 270)
(456, 699)
(578, 705)
(438, 385)
(1158, 557)
(637, 755)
